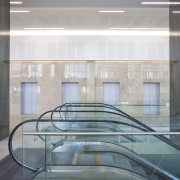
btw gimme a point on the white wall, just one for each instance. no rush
(89, 48)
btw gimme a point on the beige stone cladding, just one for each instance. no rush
(90, 75)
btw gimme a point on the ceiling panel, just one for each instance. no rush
(83, 14)
(81, 3)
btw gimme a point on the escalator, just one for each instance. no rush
(80, 156)
(94, 159)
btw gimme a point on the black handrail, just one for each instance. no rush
(105, 106)
(10, 146)
(86, 105)
(89, 120)
(161, 137)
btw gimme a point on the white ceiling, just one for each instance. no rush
(86, 3)
(83, 14)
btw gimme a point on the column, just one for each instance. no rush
(174, 69)
(4, 67)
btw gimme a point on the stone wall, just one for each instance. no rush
(90, 75)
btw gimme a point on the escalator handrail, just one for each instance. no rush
(88, 105)
(92, 105)
(101, 121)
(10, 141)
(106, 106)
(161, 137)
(10, 146)
(105, 121)
(99, 105)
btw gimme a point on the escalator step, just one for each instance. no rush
(154, 177)
(86, 159)
(105, 160)
(62, 158)
(92, 159)
(124, 163)
(140, 170)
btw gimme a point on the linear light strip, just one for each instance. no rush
(17, 11)
(104, 11)
(47, 28)
(118, 28)
(15, 2)
(87, 33)
(160, 3)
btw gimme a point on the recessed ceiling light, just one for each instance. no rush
(19, 11)
(106, 11)
(15, 2)
(47, 28)
(160, 3)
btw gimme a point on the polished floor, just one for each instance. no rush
(4, 148)
(9, 169)
(12, 171)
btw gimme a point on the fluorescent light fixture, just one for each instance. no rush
(15, 2)
(160, 3)
(19, 11)
(136, 28)
(88, 33)
(47, 28)
(176, 12)
(116, 28)
(104, 11)
(141, 28)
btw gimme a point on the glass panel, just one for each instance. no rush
(93, 57)
(149, 157)
(98, 140)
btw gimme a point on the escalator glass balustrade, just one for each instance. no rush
(85, 141)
